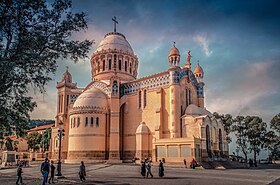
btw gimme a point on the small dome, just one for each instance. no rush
(142, 129)
(195, 110)
(92, 97)
(114, 41)
(198, 70)
(174, 51)
(67, 77)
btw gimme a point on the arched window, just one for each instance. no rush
(110, 64)
(91, 121)
(103, 66)
(78, 121)
(71, 122)
(130, 69)
(125, 65)
(97, 122)
(120, 65)
(140, 99)
(98, 66)
(145, 98)
(208, 143)
(86, 124)
(74, 122)
(115, 62)
(220, 140)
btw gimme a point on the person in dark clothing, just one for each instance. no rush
(161, 169)
(82, 172)
(149, 169)
(185, 163)
(250, 163)
(52, 172)
(19, 172)
(143, 169)
(193, 164)
(45, 168)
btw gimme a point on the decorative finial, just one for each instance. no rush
(189, 56)
(198, 62)
(174, 44)
(67, 68)
(188, 62)
(115, 22)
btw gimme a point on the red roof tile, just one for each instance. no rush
(43, 127)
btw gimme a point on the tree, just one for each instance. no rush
(46, 137)
(227, 122)
(33, 36)
(272, 143)
(240, 128)
(272, 138)
(275, 123)
(34, 141)
(256, 134)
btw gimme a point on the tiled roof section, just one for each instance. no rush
(43, 127)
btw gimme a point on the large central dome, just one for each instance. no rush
(114, 57)
(114, 40)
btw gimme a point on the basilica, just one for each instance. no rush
(118, 117)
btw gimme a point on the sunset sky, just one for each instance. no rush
(236, 42)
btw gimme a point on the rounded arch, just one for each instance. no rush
(208, 141)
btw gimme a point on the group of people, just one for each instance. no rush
(193, 163)
(46, 168)
(252, 163)
(146, 168)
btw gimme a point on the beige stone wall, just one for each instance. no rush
(90, 137)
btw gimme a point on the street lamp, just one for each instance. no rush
(60, 134)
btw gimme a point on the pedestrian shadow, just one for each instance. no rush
(93, 182)
(157, 177)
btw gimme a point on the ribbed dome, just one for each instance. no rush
(92, 97)
(114, 41)
(142, 129)
(198, 70)
(67, 77)
(174, 51)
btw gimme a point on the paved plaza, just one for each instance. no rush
(127, 174)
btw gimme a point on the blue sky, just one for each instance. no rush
(236, 42)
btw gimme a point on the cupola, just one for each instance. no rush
(174, 56)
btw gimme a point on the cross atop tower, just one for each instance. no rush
(115, 22)
(174, 44)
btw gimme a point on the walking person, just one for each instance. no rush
(52, 173)
(143, 169)
(161, 169)
(19, 172)
(82, 172)
(193, 164)
(149, 169)
(185, 163)
(45, 168)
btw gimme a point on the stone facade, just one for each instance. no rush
(118, 117)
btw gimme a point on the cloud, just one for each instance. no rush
(204, 43)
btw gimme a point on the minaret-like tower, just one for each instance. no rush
(174, 56)
(64, 88)
(174, 90)
(198, 73)
(64, 91)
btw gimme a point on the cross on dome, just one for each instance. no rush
(115, 23)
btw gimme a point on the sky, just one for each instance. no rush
(237, 44)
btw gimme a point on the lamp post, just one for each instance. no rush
(60, 134)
